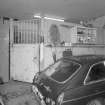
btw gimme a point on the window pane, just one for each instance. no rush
(97, 72)
(62, 70)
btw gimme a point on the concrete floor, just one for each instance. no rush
(18, 93)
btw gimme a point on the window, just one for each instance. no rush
(26, 31)
(97, 72)
(62, 70)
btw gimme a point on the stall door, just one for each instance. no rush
(25, 50)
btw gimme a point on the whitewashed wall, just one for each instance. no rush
(4, 51)
(99, 23)
(64, 29)
(98, 50)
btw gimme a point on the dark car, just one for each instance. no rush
(74, 80)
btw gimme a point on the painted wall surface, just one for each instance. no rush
(48, 52)
(88, 50)
(4, 51)
(65, 35)
(100, 36)
(62, 27)
(99, 23)
(51, 54)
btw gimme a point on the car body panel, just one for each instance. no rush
(75, 90)
(84, 92)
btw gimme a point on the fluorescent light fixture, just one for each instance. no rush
(104, 63)
(37, 16)
(47, 17)
(56, 19)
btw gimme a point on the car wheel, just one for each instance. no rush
(97, 102)
(1, 101)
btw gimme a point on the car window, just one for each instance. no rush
(62, 70)
(97, 72)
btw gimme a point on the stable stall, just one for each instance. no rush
(35, 44)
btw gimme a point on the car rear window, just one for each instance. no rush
(62, 70)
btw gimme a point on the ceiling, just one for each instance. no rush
(71, 10)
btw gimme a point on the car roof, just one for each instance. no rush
(86, 59)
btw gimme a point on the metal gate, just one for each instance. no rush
(24, 50)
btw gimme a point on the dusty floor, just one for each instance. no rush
(18, 93)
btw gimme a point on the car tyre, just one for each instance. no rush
(97, 102)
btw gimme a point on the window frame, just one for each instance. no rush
(95, 81)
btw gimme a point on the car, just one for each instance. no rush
(72, 80)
